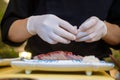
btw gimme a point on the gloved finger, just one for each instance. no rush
(88, 24)
(80, 35)
(102, 29)
(92, 38)
(57, 38)
(90, 30)
(46, 38)
(65, 34)
(50, 41)
(67, 26)
(75, 26)
(87, 38)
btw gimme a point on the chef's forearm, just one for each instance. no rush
(113, 34)
(18, 32)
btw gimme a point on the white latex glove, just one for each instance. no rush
(51, 29)
(91, 30)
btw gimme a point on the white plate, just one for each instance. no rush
(61, 65)
(7, 61)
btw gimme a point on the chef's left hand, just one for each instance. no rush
(93, 29)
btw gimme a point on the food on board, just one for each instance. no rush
(58, 55)
(66, 55)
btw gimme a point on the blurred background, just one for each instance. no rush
(5, 50)
(8, 51)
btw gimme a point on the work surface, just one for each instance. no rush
(9, 72)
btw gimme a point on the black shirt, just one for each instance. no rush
(73, 11)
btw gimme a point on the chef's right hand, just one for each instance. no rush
(51, 29)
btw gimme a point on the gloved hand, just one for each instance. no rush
(51, 29)
(93, 29)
